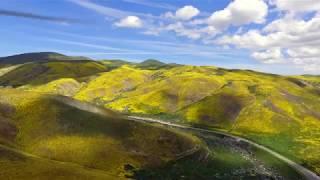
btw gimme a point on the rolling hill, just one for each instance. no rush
(79, 139)
(273, 110)
(281, 112)
(154, 64)
(38, 73)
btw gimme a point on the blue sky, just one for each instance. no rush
(250, 34)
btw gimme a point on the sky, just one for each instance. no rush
(276, 36)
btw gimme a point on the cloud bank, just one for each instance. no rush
(273, 31)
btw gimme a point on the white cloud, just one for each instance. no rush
(292, 37)
(296, 5)
(240, 12)
(269, 56)
(285, 32)
(181, 30)
(187, 12)
(304, 52)
(289, 38)
(184, 13)
(190, 32)
(130, 22)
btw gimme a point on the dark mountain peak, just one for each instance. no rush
(154, 64)
(149, 62)
(38, 57)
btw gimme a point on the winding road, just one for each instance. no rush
(309, 175)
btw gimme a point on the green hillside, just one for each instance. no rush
(4, 69)
(154, 64)
(276, 111)
(110, 85)
(44, 72)
(18, 165)
(281, 112)
(63, 86)
(59, 129)
(115, 63)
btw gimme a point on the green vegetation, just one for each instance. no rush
(228, 160)
(109, 86)
(7, 68)
(16, 165)
(276, 111)
(44, 72)
(154, 64)
(115, 63)
(63, 86)
(281, 112)
(61, 129)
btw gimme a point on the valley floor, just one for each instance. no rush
(260, 161)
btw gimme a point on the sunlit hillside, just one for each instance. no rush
(276, 111)
(281, 112)
(38, 73)
(160, 89)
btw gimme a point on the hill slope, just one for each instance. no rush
(154, 64)
(44, 72)
(62, 129)
(18, 165)
(273, 110)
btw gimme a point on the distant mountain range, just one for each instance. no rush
(38, 57)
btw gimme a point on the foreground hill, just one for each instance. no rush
(19, 165)
(64, 130)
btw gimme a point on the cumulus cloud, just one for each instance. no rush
(291, 38)
(187, 12)
(237, 13)
(192, 33)
(184, 13)
(269, 56)
(296, 5)
(130, 22)
(240, 12)
(288, 31)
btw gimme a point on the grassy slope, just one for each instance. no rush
(63, 86)
(162, 94)
(16, 165)
(7, 68)
(276, 111)
(44, 72)
(111, 85)
(115, 63)
(51, 128)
